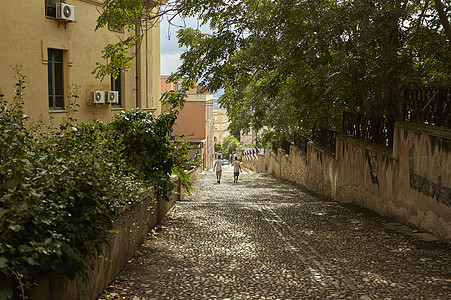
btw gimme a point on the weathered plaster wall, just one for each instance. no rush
(424, 178)
(273, 167)
(365, 175)
(322, 171)
(299, 165)
(411, 183)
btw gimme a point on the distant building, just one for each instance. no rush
(248, 138)
(221, 124)
(57, 45)
(195, 121)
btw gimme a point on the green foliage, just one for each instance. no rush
(117, 55)
(124, 15)
(120, 14)
(61, 188)
(183, 161)
(218, 147)
(292, 65)
(271, 139)
(146, 146)
(132, 17)
(175, 100)
(229, 146)
(181, 151)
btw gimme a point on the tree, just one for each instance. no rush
(235, 130)
(218, 147)
(293, 64)
(290, 65)
(443, 18)
(229, 146)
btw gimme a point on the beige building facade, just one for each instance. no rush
(57, 46)
(221, 124)
(195, 121)
(249, 138)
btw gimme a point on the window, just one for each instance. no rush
(56, 79)
(116, 86)
(50, 8)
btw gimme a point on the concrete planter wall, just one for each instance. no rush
(132, 227)
(411, 182)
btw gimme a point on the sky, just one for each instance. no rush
(170, 51)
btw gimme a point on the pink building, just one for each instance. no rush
(195, 121)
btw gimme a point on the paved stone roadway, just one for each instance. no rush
(267, 239)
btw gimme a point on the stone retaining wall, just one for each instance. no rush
(411, 182)
(132, 227)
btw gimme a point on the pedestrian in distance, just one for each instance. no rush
(236, 169)
(218, 167)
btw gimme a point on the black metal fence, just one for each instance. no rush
(376, 130)
(300, 141)
(324, 137)
(428, 105)
(285, 145)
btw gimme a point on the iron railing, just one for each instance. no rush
(325, 137)
(428, 105)
(285, 145)
(377, 130)
(300, 141)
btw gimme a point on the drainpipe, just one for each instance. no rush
(136, 64)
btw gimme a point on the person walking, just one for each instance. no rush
(218, 167)
(236, 169)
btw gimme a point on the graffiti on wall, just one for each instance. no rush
(372, 162)
(426, 186)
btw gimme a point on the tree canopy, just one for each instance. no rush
(293, 64)
(229, 146)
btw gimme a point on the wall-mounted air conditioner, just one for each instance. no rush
(66, 12)
(113, 97)
(98, 97)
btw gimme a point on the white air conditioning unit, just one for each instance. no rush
(98, 97)
(66, 12)
(113, 97)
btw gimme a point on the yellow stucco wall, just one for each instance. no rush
(221, 125)
(26, 34)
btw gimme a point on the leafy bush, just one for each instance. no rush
(229, 146)
(61, 188)
(146, 146)
(183, 161)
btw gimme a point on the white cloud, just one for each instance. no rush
(170, 51)
(170, 62)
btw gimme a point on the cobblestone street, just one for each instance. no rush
(267, 239)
